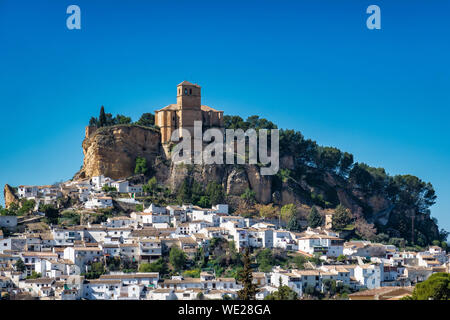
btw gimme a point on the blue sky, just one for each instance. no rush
(382, 95)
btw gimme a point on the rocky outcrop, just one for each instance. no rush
(261, 185)
(112, 151)
(237, 182)
(9, 196)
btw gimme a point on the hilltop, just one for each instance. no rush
(382, 207)
(310, 175)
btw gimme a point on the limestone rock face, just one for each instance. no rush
(112, 151)
(9, 195)
(237, 182)
(261, 185)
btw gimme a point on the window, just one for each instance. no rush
(185, 91)
(190, 91)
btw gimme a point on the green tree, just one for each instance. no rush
(146, 120)
(177, 258)
(184, 192)
(102, 117)
(151, 186)
(293, 224)
(204, 202)
(93, 122)
(299, 262)
(141, 166)
(314, 218)
(287, 211)
(249, 196)
(283, 293)
(19, 265)
(436, 287)
(107, 188)
(215, 193)
(265, 260)
(197, 192)
(27, 206)
(329, 286)
(121, 119)
(249, 290)
(51, 213)
(345, 163)
(341, 218)
(193, 273)
(34, 275)
(158, 266)
(328, 158)
(96, 270)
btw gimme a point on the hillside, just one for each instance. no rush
(310, 175)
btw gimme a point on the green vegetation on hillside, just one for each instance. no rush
(410, 197)
(436, 287)
(106, 120)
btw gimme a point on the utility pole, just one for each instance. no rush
(412, 228)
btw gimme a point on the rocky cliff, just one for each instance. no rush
(9, 195)
(112, 151)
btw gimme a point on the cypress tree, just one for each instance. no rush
(102, 117)
(249, 290)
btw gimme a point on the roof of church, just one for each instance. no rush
(206, 108)
(175, 106)
(187, 83)
(172, 106)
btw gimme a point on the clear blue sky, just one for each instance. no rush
(382, 95)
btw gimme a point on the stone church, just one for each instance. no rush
(188, 109)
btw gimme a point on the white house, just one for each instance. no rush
(8, 221)
(148, 218)
(283, 239)
(134, 189)
(27, 191)
(238, 219)
(81, 256)
(119, 222)
(155, 210)
(99, 202)
(121, 185)
(149, 249)
(32, 259)
(369, 275)
(324, 244)
(260, 238)
(102, 289)
(149, 279)
(364, 249)
(220, 208)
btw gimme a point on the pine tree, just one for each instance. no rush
(341, 218)
(249, 290)
(102, 117)
(314, 218)
(293, 224)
